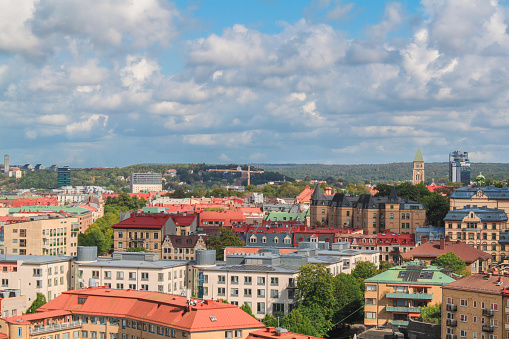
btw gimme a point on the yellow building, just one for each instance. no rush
(476, 307)
(50, 234)
(398, 294)
(489, 196)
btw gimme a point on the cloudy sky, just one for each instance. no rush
(114, 83)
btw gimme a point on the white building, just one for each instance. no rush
(150, 182)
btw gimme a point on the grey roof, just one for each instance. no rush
(349, 252)
(318, 194)
(254, 268)
(504, 237)
(484, 213)
(164, 263)
(491, 192)
(34, 259)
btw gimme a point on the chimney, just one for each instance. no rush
(442, 243)
(424, 240)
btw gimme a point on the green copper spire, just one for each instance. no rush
(418, 155)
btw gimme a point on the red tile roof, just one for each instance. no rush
(140, 220)
(154, 307)
(480, 283)
(431, 250)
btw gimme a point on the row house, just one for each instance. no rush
(488, 196)
(183, 247)
(479, 227)
(372, 214)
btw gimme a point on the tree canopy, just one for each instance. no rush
(38, 302)
(432, 314)
(224, 238)
(452, 261)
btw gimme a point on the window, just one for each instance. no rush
(247, 280)
(370, 288)
(261, 280)
(160, 277)
(260, 293)
(247, 292)
(228, 334)
(463, 318)
(474, 319)
(107, 274)
(274, 281)
(274, 293)
(463, 333)
(132, 275)
(221, 291)
(370, 315)
(234, 292)
(120, 275)
(494, 306)
(260, 308)
(234, 279)
(238, 334)
(38, 284)
(474, 303)
(464, 302)
(221, 279)
(144, 276)
(370, 301)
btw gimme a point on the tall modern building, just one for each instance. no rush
(6, 163)
(459, 167)
(150, 182)
(64, 176)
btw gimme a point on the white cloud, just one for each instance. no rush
(86, 126)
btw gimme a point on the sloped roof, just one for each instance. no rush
(318, 194)
(141, 220)
(416, 273)
(418, 155)
(270, 333)
(480, 283)
(431, 249)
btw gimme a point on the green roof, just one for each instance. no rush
(14, 197)
(55, 209)
(412, 275)
(280, 216)
(418, 155)
(152, 209)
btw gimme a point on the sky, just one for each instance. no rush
(105, 83)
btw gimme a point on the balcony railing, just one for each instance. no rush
(451, 307)
(400, 322)
(452, 322)
(487, 313)
(488, 328)
(414, 296)
(403, 309)
(55, 327)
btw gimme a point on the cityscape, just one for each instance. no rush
(254, 169)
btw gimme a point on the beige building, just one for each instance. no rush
(182, 247)
(113, 314)
(146, 182)
(476, 307)
(32, 274)
(12, 303)
(51, 234)
(135, 271)
(398, 294)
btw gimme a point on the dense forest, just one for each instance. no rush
(383, 173)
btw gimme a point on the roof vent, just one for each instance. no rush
(212, 318)
(280, 331)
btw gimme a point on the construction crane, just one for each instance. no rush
(238, 169)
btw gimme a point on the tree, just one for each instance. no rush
(349, 297)
(436, 206)
(384, 266)
(383, 190)
(452, 261)
(224, 238)
(270, 321)
(364, 270)
(298, 323)
(431, 314)
(246, 308)
(137, 249)
(38, 302)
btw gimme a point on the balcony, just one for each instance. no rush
(451, 307)
(403, 309)
(488, 328)
(487, 313)
(400, 322)
(452, 322)
(413, 296)
(55, 327)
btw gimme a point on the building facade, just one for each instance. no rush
(398, 294)
(459, 167)
(183, 247)
(369, 213)
(146, 182)
(64, 176)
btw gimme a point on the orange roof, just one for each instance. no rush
(27, 318)
(254, 250)
(304, 196)
(158, 308)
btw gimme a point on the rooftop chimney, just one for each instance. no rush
(442, 243)
(424, 240)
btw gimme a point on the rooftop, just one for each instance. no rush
(415, 273)
(481, 283)
(433, 249)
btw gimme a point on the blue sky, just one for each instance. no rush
(109, 83)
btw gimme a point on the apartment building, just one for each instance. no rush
(84, 216)
(134, 271)
(479, 227)
(476, 307)
(183, 247)
(372, 214)
(12, 303)
(489, 196)
(146, 182)
(149, 229)
(398, 294)
(265, 281)
(32, 274)
(109, 313)
(50, 234)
